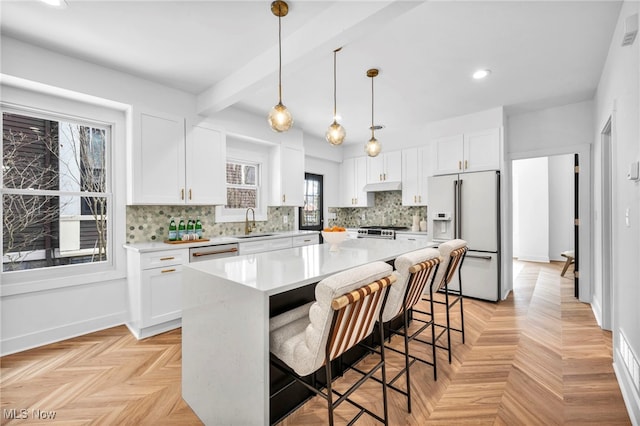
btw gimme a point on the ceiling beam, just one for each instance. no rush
(336, 26)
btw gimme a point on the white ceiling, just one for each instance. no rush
(541, 53)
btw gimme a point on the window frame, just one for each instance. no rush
(29, 98)
(242, 156)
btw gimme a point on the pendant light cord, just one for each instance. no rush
(372, 135)
(279, 54)
(334, 84)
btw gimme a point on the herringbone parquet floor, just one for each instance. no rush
(537, 358)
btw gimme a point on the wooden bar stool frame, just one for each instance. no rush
(346, 310)
(456, 260)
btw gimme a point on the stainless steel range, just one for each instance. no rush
(382, 232)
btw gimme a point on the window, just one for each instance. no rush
(311, 217)
(247, 177)
(242, 185)
(55, 191)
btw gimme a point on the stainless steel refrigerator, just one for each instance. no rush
(467, 206)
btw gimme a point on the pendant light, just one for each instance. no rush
(280, 118)
(335, 133)
(373, 147)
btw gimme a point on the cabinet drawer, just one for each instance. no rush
(305, 240)
(280, 243)
(164, 258)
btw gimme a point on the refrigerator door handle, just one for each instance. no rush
(455, 208)
(459, 213)
(478, 257)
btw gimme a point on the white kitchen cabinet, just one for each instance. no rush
(287, 183)
(206, 155)
(155, 291)
(470, 152)
(416, 168)
(386, 167)
(172, 163)
(260, 246)
(305, 240)
(422, 236)
(353, 178)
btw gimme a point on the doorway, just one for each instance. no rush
(544, 207)
(311, 216)
(607, 226)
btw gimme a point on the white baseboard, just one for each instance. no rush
(143, 333)
(531, 258)
(629, 394)
(597, 310)
(52, 335)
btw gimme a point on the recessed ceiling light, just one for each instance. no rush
(480, 74)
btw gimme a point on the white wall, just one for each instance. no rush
(561, 130)
(530, 215)
(618, 95)
(32, 316)
(533, 207)
(561, 177)
(397, 139)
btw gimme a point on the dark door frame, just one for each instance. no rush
(319, 178)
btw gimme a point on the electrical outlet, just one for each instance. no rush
(364, 216)
(285, 219)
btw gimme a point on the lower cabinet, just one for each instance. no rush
(155, 291)
(412, 237)
(305, 240)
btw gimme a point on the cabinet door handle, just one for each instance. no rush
(284, 198)
(189, 193)
(182, 194)
(384, 176)
(414, 198)
(419, 198)
(459, 165)
(466, 165)
(168, 270)
(167, 258)
(380, 177)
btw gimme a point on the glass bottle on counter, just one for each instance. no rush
(181, 229)
(190, 227)
(198, 228)
(173, 231)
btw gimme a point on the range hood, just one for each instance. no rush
(383, 186)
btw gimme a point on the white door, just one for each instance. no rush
(447, 155)
(479, 210)
(206, 165)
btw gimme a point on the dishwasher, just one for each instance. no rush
(199, 254)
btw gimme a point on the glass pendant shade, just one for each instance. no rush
(280, 118)
(336, 133)
(373, 147)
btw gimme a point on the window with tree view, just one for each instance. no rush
(242, 185)
(55, 192)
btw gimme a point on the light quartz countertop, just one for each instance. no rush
(161, 246)
(282, 270)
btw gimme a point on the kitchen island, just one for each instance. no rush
(227, 304)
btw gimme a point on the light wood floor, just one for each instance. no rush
(537, 358)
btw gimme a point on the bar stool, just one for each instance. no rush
(415, 271)
(345, 311)
(452, 255)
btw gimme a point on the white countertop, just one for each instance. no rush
(160, 246)
(282, 270)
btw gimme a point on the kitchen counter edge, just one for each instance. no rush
(153, 246)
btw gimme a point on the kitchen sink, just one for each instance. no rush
(253, 236)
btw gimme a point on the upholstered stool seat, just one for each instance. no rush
(344, 313)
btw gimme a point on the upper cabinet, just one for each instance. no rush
(287, 187)
(416, 168)
(386, 167)
(353, 178)
(206, 155)
(172, 163)
(470, 152)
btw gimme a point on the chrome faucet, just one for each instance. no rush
(248, 228)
